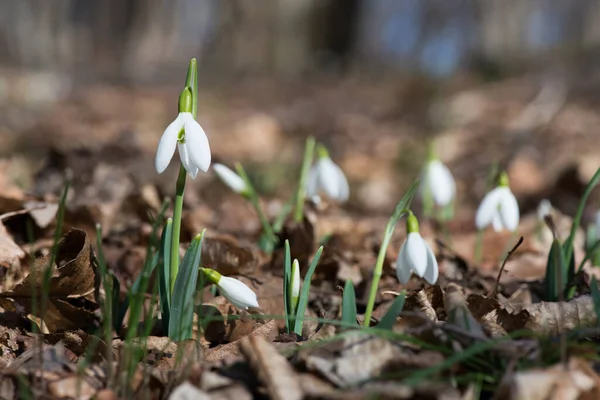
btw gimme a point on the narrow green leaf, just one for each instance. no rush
(596, 298)
(164, 270)
(304, 293)
(568, 246)
(554, 264)
(287, 274)
(182, 304)
(389, 319)
(349, 305)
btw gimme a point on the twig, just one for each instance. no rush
(494, 290)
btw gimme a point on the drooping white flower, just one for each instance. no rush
(234, 290)
(230, 178)
(326, 177)
(499, 207)
(188, 136)
(416, 256)
(438, 182)
(544, 209)
(237, 292)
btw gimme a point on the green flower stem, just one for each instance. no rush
(178, 208)
(399, 212)
(309, 151)
(270, 239)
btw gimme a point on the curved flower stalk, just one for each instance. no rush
(499, 208)
(325, 177)
(231, 179)
(415, 255)
(234, 290)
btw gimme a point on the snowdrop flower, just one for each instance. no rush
(230, 178)
(499, 207)
(437, 181)
(416, 255)
(188, 136)
(235, 291)
(544, 209)
(294, 286)
(326, 177)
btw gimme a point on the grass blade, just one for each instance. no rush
(389, 319)
(287, 275)
(554, 264)
(182, 303)
(304, 294)
(164, 270)
(349, 305)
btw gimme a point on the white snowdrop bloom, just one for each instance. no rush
(237, 293)
(230, 178)
(544, 209)
(499, 207)
(294, 287)
(326, 177)
(188, 136)
(416, 256)
(438, 181)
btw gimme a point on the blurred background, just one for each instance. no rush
(86, 83)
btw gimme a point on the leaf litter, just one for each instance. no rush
(451, 340)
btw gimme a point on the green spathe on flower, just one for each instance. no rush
(416, 255)
(188, 136)
(235, 291)
(325, 177)
(231, 179)
(499, 207)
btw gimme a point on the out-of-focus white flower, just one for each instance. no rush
(188, 136)
(416, 256)
(499, 207)
(234, 290)
(294, 287)
(544, 209)
(230, 178)
(326, 177)
(438, 181)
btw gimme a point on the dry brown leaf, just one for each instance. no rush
(554, 318)
(577, 381)
(187, 391)
(229, 255)
(71, 289)
(10, 252)
(272, 369)
(457, 311)
(230, 350)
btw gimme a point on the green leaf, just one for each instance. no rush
(553, 266)
(164, 270)
(349, 305)
(568, 246)
(287, 275)
(181, 320)
(304, 293)
(596, 298)
(389, 319)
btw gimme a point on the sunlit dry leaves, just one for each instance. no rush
(70, 289)
(359, 357)
(231, 350)
(229, 256)
(575, 381)
(426, 301)
(10, 252)
(458, 314)
(42, 212)
(554, 318)
(82, 344)
(272, 369)
(187, 391)
(496, 318)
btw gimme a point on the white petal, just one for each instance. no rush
(509, 210)
(497, 222)
(416, 253)
(544, 209)
(237, 293)
(488, 207)
(185, 160)
(166, 146)
(312, 182)
(431, 273)
(403, 270)
(230, 178)
(197, 144)
(441, 183)
(331, 180)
